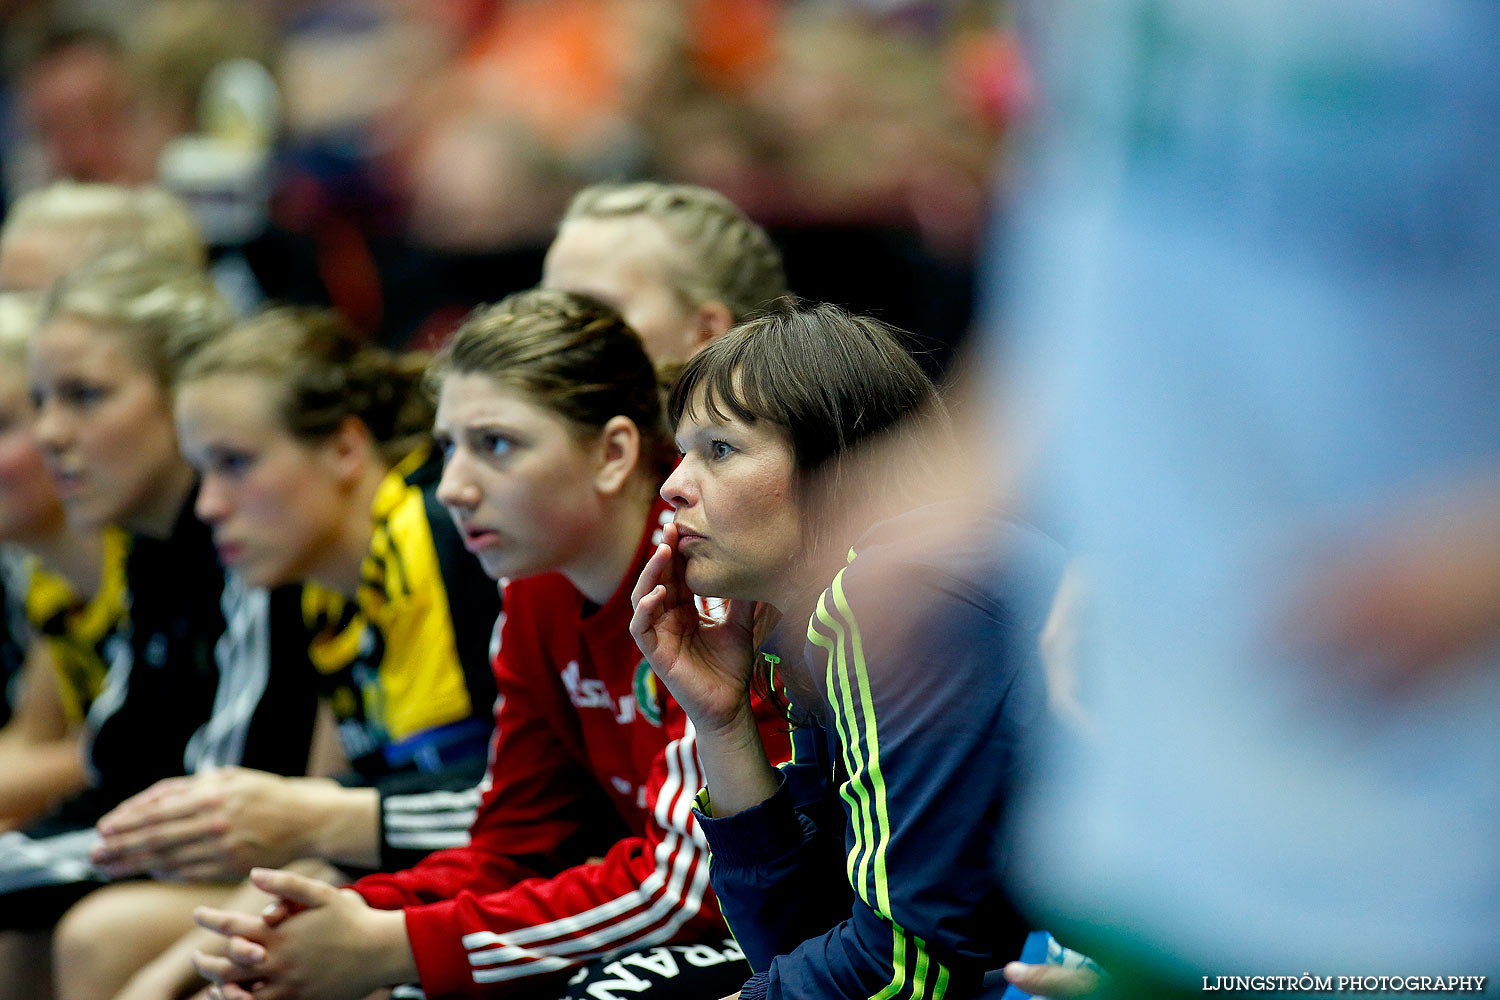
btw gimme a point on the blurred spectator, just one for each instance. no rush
(867, 147)
(427, 147)
(76, 97)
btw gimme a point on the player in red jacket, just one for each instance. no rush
(585, 844)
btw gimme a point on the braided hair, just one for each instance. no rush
(725, 257)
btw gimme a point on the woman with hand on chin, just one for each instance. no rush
(584, 846)
(867, 866)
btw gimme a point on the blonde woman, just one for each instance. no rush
(681, 263)
(46, 684)
(190, 683)
(52, 230)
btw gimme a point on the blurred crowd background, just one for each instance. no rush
(404, 160)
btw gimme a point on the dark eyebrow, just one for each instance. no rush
(494, 426)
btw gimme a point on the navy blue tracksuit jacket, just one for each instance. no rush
(873, 871)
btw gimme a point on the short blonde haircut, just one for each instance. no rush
(113, 217)
(164, 310)
(18, 317)
(725, 257)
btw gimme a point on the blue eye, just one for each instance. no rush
(224, 463)
(80, 394)
(444, 446)
(495, 444)
(232, 463)
(720, 449)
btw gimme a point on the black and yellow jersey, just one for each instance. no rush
(14, 632)
(405, 666)
(76, 630)
(204, 671)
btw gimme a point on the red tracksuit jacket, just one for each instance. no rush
(579, 724)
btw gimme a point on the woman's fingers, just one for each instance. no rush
(212, 967)
(169, 799)
(245, 953)
(294, 888)
(221, 969)
(1053, 982)
(648, 611)
(276, 911)
(651, 574)
(229, 923)
(678, 574)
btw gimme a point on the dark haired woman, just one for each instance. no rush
(867, 867)
(550, 419)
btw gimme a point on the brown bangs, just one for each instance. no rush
(827, 378)
(727, 380)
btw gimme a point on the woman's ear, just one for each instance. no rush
(710, 320)
(350, 448)
(619, 453)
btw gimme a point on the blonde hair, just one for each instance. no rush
(164, 310)
(18, 316)
(725, 257)
(110, 217)
(324, 373)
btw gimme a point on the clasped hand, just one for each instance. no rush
(216, 825)
(313, 941)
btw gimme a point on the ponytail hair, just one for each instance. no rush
(722, 256)
(568, 354)
(325, 373)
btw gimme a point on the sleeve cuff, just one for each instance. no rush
(758, 988)
(381, 897)
(771, 829)
(437, 945)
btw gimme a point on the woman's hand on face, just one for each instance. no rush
(705, 664)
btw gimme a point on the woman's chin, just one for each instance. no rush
(508, 565)
(704, 580)
(88, 518)
(701, 579)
